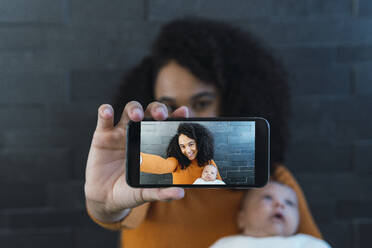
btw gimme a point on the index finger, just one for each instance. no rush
(133, 111)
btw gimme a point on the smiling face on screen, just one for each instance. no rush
(188, 146)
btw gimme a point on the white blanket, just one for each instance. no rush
(295, 241)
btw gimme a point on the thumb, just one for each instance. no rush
(165, 194)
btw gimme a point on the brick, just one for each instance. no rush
(146, 178)
(219, 156)
(242, 158)
(363, 232)
(364, 79)
(35, 165)
(354, 209)
(66, 195)
(17, 88)
(94, 86)
(97, 10)
(154, 139)
(89, 58)
(46, 137)
(365, 8)
(320, 80)
(43, 218)
(59, 238)
(72, 115)
(220, 140)
(329, 118)
(4, 221)
(80, 155)
(363, 157)
(338, 233)
(238, 175)
(354, 53)
(315, 157)
(242, 129)
(35, 11)
(105, 37)
(295, 56)
(22, 38)
(239, 9)
(328, 31)
(93, 238)
(22, 116)
(327, 188)
(22, 195)
(323, 211)
(242, 139)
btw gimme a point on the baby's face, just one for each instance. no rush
(270, 211)
(209, 173)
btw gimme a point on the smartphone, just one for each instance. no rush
(198, 153)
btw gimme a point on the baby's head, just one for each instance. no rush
(209, 173)
(269, 211)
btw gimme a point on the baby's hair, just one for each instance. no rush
(210, 165)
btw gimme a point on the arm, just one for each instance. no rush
(218, 172)
(307, 224)
(156, 164)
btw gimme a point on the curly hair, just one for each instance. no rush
(204, 143)
(251, 81)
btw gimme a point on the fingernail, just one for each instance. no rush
(137, 111)
(107, 112)
(160, 110)
(187, 111)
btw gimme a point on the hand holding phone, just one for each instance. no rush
(106, 190)
(198, 152)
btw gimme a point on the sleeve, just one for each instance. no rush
(157, 165)
(132, 220)
(307, 224)
(218, 172)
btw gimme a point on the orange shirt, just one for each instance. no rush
(157, 165)
(197, 220)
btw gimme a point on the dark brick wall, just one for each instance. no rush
(234, 149)
(60, 59)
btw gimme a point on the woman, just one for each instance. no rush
(196, 68)
(188, 152)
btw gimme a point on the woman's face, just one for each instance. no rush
(176, 86)
(187, 146)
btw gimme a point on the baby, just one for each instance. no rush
(269, 217)
(209, 176)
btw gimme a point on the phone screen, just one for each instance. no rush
(199, 153)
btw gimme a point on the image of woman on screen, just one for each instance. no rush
(188, 152)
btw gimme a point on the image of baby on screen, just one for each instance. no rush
(269, 217)
(209, 176)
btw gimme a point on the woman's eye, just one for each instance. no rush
(201, 105)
